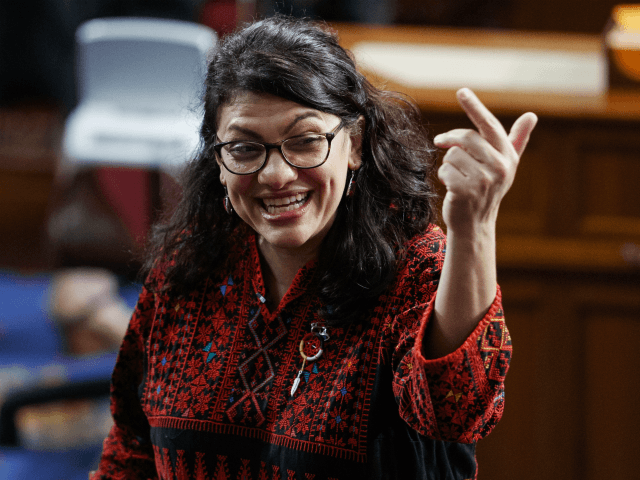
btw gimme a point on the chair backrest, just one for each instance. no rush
(140, 83)
(27, 334)
(142, 63)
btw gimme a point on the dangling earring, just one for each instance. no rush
(351, 188)
(226, 201)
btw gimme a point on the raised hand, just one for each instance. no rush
(479, 167)
(477, 170)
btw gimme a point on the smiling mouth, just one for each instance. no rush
(286, 204)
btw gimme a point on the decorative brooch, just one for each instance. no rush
(311, 348)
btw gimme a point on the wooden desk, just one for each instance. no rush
(569, 265)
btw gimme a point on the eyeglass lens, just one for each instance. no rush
(305, 151)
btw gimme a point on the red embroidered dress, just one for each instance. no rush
(202, 385)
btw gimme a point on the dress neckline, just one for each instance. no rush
(300, 284)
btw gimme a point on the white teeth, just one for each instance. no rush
(284, 201)
(277, 205)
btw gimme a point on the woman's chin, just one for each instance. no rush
(285, 241)
(294, 240)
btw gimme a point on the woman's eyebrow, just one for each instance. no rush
(256, 136)
(301, 117)
(246, 131)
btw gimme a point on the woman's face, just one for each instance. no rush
(310, 197)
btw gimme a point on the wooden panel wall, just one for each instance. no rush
(572, 394)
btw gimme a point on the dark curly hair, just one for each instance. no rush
(302, 61)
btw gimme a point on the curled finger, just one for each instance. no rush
(450, 176)
(463, 163)
(470, 141)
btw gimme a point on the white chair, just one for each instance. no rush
(140, 82)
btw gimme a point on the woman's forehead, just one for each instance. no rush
(257, 108)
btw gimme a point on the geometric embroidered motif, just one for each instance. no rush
(181, 469)
(495, 349)
(257, 370)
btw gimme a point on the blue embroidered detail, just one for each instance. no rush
(223, 288)
(208, 349)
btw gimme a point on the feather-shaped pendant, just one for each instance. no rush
(296, 382)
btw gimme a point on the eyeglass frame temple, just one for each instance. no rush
(268, 146)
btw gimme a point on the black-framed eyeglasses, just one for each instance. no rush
(309, 150)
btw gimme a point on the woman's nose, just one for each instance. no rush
(277, 172)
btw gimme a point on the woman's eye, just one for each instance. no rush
(244, 149)
(306, 142)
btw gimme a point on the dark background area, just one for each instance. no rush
(37, 36)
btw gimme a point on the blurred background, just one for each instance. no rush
(75, 211)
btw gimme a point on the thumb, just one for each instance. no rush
(521, 131)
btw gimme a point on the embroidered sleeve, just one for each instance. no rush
(127, 451)
(459, 397)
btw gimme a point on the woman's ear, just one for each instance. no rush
(223, 176)
(356, 133)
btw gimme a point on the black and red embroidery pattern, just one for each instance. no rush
(219, 364)
(197, 470)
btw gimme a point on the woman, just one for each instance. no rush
(290, 327)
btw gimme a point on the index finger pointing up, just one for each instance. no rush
(487, 124)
